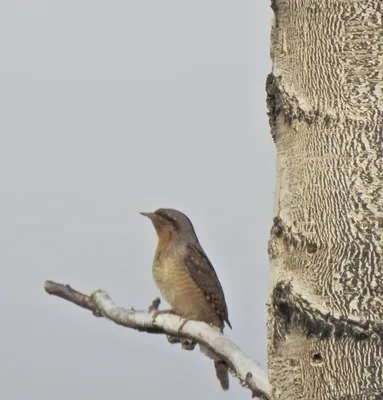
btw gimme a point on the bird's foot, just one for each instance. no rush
(185, 320)
(155, 305)
(215, 327)
(159, 312)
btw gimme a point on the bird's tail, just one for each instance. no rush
(222, 373)
(221, 368)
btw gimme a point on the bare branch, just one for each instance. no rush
(99, 302)
(67, 293)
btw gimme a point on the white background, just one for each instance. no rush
(108, 109)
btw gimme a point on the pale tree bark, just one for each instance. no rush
(325, 99)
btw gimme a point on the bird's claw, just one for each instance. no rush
(185, 320)
(155, 304)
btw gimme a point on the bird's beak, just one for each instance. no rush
(149, 215)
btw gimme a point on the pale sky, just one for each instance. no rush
(108, 109)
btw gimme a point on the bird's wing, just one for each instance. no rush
(204, 275)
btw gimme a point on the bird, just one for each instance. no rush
(186, 278)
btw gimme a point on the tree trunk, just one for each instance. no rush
(325, 100)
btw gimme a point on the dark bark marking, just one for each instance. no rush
(294, 311)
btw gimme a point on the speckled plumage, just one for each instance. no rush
(186, 278)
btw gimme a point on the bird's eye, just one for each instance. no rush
(165, 216)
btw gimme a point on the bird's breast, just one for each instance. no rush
(170, 277)
(179, 289)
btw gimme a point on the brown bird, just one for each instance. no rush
(186, 278)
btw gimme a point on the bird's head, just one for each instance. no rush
(170, 223)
